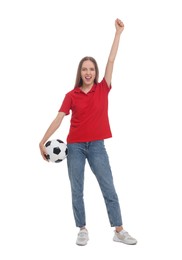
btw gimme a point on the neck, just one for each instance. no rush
(86, 88)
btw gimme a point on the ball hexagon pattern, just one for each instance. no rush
(56, 150)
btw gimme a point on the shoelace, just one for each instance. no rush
(82, 234)
(126, 235)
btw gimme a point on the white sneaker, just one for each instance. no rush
(124, 237)
(82, 237)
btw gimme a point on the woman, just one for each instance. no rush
(88, 102)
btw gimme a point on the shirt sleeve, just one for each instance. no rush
(103, 83)
(66, 105)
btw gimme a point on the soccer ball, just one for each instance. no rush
(56, 150)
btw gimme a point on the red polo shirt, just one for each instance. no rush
(89, 121)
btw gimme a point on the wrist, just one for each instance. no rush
(118, 33)
(41, 144)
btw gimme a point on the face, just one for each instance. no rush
(88, 73)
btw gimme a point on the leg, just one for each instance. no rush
(99, 163)
(76, 164)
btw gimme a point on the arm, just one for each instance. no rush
(51, 129)
(110, 63)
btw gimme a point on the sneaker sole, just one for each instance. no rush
(81, 244)
(116, 239)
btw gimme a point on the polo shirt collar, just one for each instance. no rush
(78, 90)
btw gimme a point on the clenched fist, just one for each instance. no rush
(119, 25)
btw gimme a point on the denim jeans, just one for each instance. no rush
(95, 153)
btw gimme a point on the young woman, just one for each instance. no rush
(88, 102)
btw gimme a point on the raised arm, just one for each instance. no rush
(110, 63)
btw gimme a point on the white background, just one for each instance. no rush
(40, 47)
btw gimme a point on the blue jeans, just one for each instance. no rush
(97, 157)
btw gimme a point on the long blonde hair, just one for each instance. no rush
(79, 81)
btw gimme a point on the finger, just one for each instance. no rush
(45, 156)
(119, 22)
